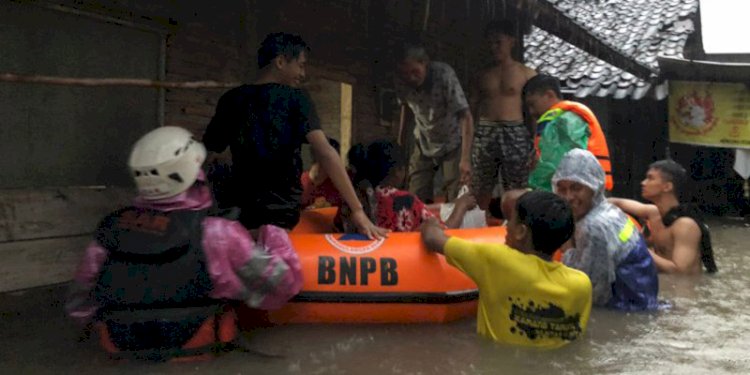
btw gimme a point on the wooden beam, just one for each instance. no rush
(96, 82)
(28, 264)
(59, 212)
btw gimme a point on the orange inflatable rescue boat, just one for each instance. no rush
(350, 279)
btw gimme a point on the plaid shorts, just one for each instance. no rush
(504, 148)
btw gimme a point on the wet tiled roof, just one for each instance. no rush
(640, 29)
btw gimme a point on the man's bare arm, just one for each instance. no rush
(530, 73)
(463, 204)
(530, 123)
(467, 139)
(433, 236)
(686, 251)
(633, 207)
(640, 210)
(475, 95)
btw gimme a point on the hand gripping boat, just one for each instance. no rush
(350, 279)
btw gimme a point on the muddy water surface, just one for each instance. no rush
(706, 331)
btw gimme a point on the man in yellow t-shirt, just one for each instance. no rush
(524, 297)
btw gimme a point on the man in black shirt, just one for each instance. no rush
(265, 124)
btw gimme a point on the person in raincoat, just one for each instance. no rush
(606, 245)
(561, 126)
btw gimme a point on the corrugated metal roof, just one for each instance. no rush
(641, 29)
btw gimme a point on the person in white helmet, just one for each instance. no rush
(155, 279)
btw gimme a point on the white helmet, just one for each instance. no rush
(165, 162)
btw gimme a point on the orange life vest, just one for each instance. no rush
(597, 143)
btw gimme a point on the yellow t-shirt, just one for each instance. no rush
(523, 300)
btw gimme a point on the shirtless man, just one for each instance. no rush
(501, 141)
(678, 238)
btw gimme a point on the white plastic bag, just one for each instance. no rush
(474, 218)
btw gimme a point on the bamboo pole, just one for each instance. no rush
(96, 82)
(426, 19)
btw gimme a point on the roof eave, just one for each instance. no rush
(693, 70)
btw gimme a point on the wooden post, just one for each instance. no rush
(426, 19)
(346, 118)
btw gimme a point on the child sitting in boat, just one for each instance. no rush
(524, 297)
(317, 189)
(378, 183)
(357, 156)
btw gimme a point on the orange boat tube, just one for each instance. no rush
(350, 279)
